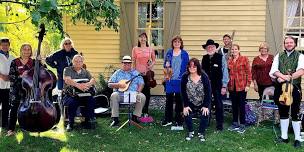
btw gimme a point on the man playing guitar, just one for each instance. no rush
(126, 79)
(70, 75)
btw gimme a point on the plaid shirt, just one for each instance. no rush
(239, 74)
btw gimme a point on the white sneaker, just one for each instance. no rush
(177, 128)
(190, 136)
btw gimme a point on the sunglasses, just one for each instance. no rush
(67, 43)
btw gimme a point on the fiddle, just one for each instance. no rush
(286, 96)
(150, 82)
(168, 72)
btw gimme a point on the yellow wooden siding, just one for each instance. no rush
(100, 48)
(204, 19)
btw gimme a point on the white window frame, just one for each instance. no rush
(149, 29)
(300, 34)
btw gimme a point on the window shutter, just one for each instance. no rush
(274, 25)
(127, 30)
(172, 21)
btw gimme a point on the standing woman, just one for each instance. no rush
(62, 58)
(144, 59)
(261, 66)
(19, 68)
(239, 83)
(196, 97)
(177, 59)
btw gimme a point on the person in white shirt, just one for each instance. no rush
(288, 66)
(5, 62)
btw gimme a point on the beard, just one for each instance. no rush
(211, 53)
(290, 49)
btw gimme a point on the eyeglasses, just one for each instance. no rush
(68, 43)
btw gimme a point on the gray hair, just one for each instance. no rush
(77, 56)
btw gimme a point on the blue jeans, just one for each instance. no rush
(203, 120)
(74, 102)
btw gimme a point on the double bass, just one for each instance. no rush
(37, 113)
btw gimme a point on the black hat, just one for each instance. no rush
(210, 42)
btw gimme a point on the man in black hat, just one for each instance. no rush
(215, 65)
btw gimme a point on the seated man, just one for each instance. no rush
(71, 75)
(136, 84)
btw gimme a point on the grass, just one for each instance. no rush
(153, 137)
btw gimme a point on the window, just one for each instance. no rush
(150, 19)
(294, 21)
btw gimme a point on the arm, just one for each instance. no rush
(184, 94)
(207, 90)
(51, 60)
(152, 58)
(225, 79)
(300, 68)
(253, 70)
(113, 82)
(13, 73)
(248, 73)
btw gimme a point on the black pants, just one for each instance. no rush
(147, 93)
(219, 110)
(4, 100)
(238, 99)
(170, 98)
(13, 115)
(295, 106)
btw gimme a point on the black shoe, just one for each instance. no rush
(86, 125)
(281, 140)
(297, 144)
(219, 128)
(114, 123)
(69, 128)
(135, 119)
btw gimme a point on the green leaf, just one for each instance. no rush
(1, 28)
(36, 16)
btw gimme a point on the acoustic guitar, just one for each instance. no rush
(127, 83)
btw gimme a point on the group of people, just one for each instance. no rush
(195, 87)
(69, 66)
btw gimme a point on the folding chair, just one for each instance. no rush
(267, 103)
(130, 101)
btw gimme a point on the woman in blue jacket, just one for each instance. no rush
(177, 59)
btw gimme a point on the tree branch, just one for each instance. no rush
(34, 4)
(16, 21)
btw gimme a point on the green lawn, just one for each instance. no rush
(152, 138)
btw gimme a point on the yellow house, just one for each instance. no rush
(196, 21)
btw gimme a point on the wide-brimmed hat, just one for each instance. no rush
(210, 42)
(126, 59)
